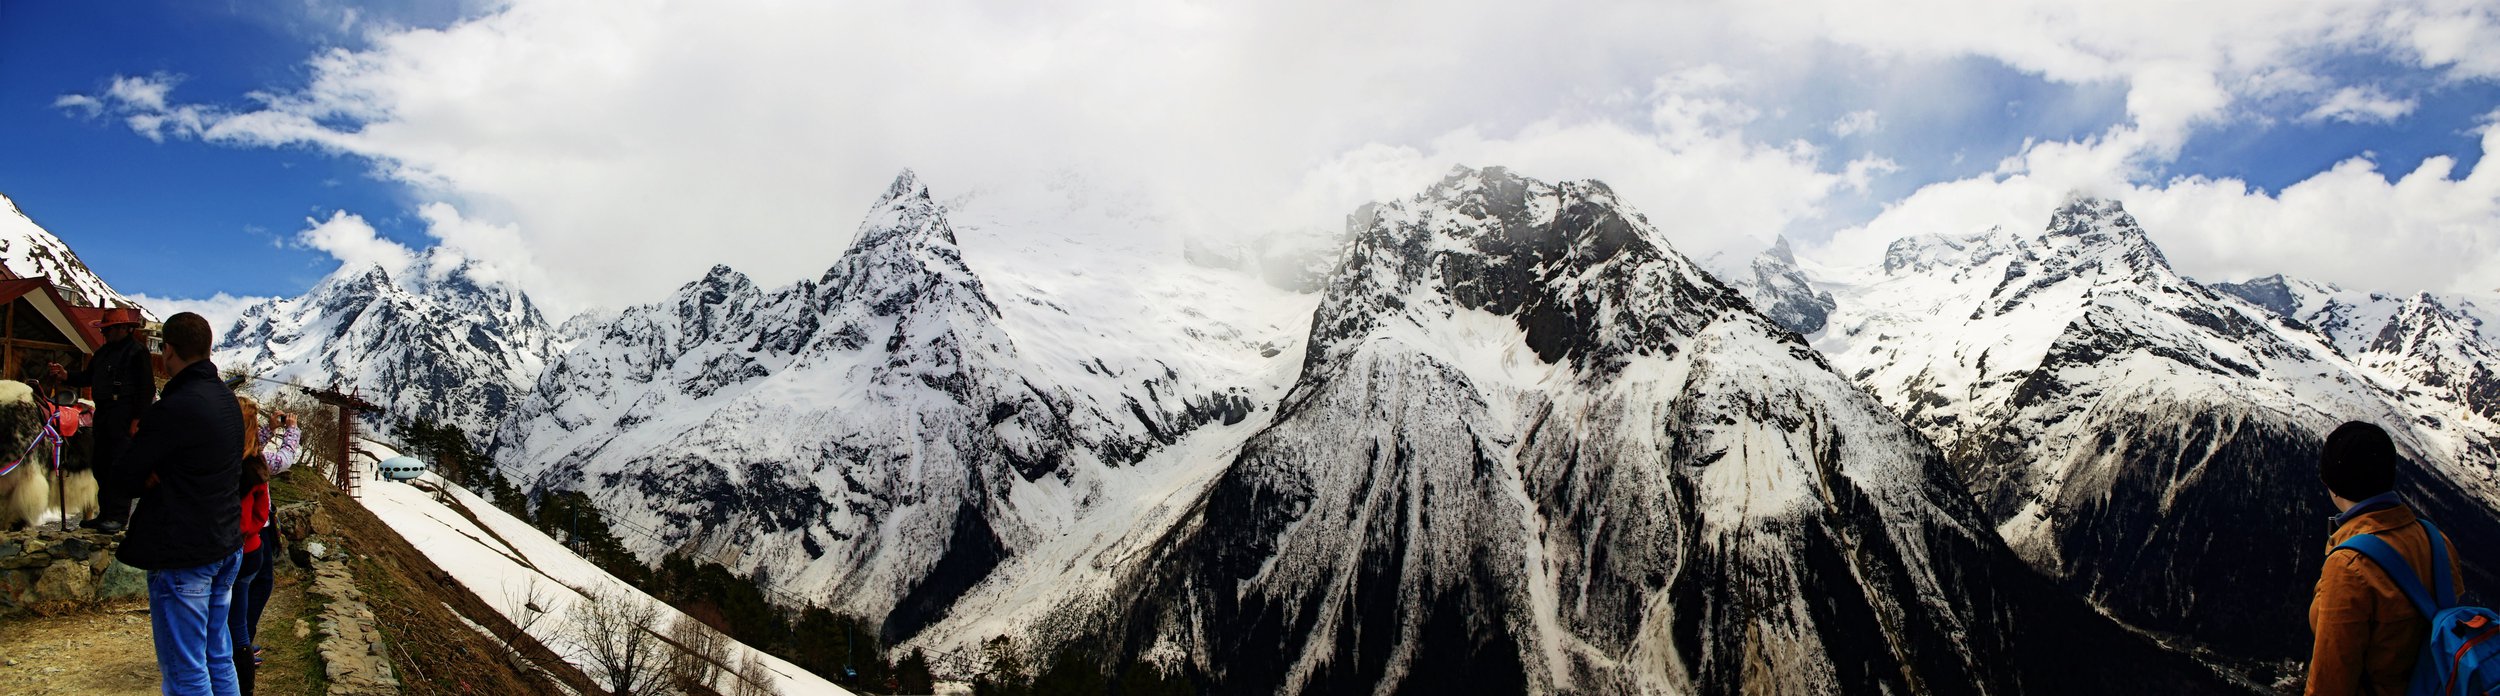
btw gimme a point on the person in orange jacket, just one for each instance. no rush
(2368, 632)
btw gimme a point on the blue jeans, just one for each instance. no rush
(239, 610)
(187, 607)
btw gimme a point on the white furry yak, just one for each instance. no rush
(80, 490)
(24, 493)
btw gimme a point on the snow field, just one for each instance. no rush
(499, 558)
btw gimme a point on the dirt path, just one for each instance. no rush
(99, 653)
(110, 651)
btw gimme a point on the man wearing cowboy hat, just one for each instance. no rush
(123, 375)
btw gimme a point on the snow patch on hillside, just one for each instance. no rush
(499, 558)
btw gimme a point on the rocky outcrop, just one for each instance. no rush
(47, 571)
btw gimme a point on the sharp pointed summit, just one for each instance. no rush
(906, 185)
(1784, 293)
(879, 438)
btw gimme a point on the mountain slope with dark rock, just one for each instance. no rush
(1534, 450)
(2441, 350)
(2146, 440)
(1784, 293)
(438, 340)
(885, 436)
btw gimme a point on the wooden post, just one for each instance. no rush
(347, 435)
(8, 359)
(348, 405)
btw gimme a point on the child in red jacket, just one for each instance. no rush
(256, 513)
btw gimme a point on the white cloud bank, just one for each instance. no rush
(221, 310)
(620, 148)
(2427, 229)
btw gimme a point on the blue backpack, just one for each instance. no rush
(2461, 656)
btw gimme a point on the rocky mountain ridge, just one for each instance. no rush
(877, 436)
(1534, 450)
(2141, 437)
(439, 340)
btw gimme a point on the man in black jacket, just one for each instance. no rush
(187, 532)
(124, 379)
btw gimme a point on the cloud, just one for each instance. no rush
(624, 148)
(348, 238)
(2426, 230)
(1712, 190)
(2361, 105)
(492, 253)
(1857, 122)
(221, 310)
(83, 104)
(142, 103)
(1862, 171)
(142, 93)
(496, 253)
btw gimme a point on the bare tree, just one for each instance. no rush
(702, 654)
(753, 678)
(525, 607)
(618, 635)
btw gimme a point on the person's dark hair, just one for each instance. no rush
(188, 336)
(2359, 461)
(255, 472)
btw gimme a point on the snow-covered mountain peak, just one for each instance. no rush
(884, 435)
(906, 255)
(2099, 230)
(2422, 316)
(906, 185)
(716, 285)
(1784, 293)
(1585, 279)
(1781, 253)
(2094, 400)
(2356, 321)
(1925, 252)
(1532, 449)
(2441, 351)
(2276, 293)
(906, 213)
(29, 251)
(441, 339)
(368, 280)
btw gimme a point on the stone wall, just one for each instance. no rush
(48, 571)
(352, 654)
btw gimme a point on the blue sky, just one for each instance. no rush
(178, 219)
(774, 131)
